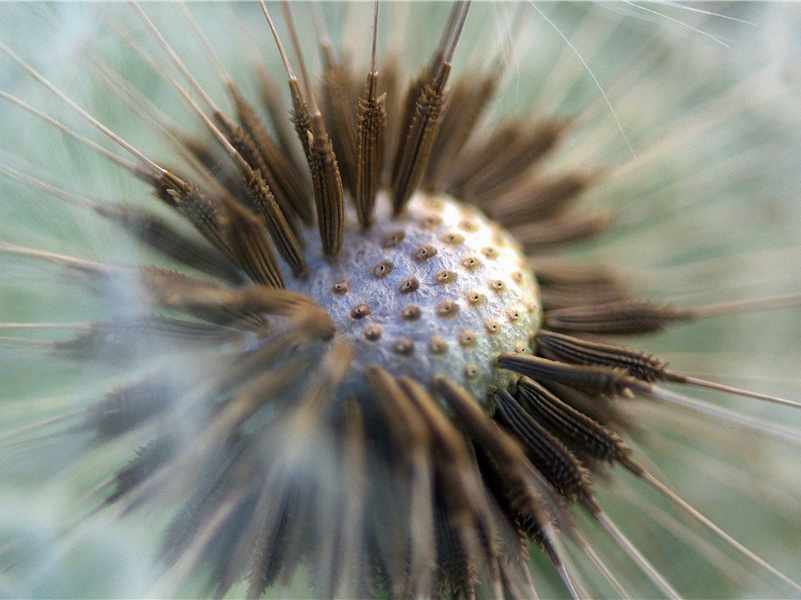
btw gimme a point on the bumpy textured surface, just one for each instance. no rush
(437, 290)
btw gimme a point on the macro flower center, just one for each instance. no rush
(439, 289)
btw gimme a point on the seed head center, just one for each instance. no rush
(439, 289)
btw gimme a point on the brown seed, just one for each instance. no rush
(447, 309)
(437, 346)
(383, 269)
(513, 314)
(340, 288)
(327, 184)
(409, 285)
(361, 311)
(467, 339)
(424, 105)
(424, 252)
(244, 234)
(371, 125)
(453, 238)
(372, 333)
(446, 277)
(517, 277)
(410, 313)
(490, 252)
(492, 326)
(470, 371)
(404, 347)
(270, 214)
(471, 263)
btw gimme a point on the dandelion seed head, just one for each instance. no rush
(398, 363)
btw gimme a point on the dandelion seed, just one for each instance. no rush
(411, 350)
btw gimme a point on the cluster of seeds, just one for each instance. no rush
(417, 407)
